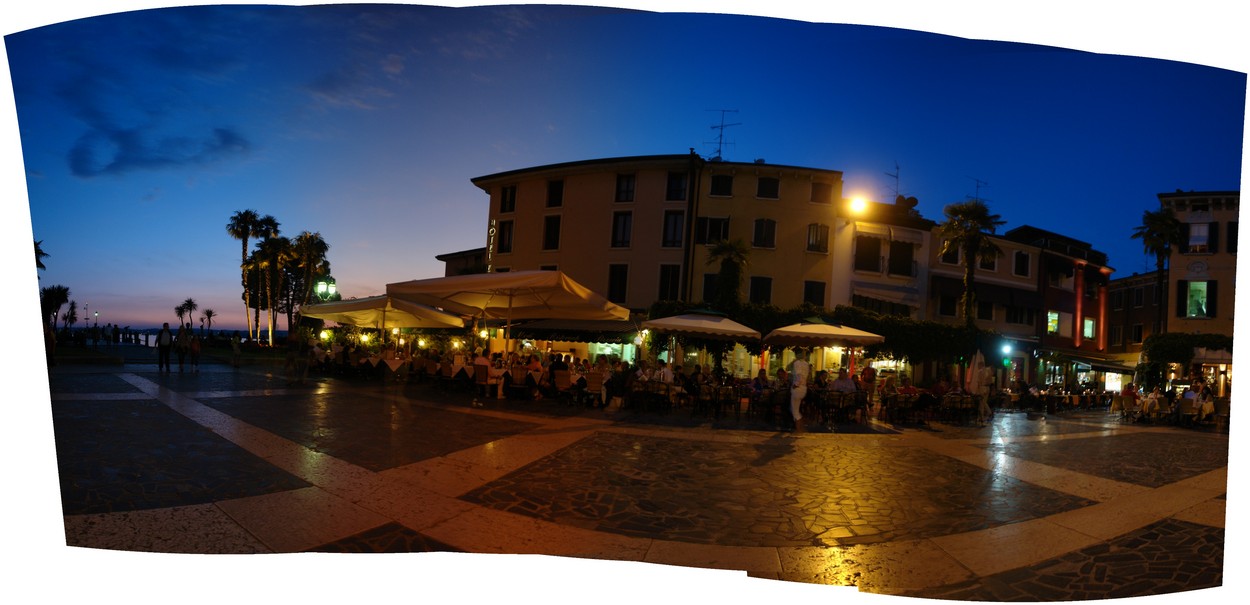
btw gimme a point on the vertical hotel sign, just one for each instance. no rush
(490, 246)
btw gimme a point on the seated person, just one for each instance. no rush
(906, 388)
(761, 382)
(783, 380)
(844, 384)
(822, 380)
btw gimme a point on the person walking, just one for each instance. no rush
(182, 343)
(164, 342)
(195, 353)
(236, 351)
(799, 371)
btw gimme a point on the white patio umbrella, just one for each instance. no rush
(382, 312)
(702, 325)
(510, 296)
(815, 334)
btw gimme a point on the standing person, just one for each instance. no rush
(799, 371)
(296, 357)
(236, 352)
(868, 378)
(164, 342)
(182, 343)
(195, 352)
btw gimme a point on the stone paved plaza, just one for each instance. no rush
(233, 461)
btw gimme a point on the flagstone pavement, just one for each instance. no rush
(233, 461)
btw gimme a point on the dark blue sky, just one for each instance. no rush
(365, 123)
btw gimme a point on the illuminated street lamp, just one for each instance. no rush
(326, 288)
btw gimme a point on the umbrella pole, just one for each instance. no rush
(507, 328)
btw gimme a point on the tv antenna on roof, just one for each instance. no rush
(897, 191)
(720, 135)
(980, 184)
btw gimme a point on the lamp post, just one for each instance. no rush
(326, 288)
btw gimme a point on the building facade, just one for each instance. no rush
(1202, 275)
(881, 257)
(1202, 271)
(1137, 309)
(639, 229)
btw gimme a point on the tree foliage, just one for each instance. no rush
(1177, 347)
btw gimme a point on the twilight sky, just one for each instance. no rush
(143, 132)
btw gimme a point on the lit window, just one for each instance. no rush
(1088, 329)
(1199, 237)
(1052, 322)
(1196, 301)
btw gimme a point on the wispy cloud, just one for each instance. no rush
(119, 151)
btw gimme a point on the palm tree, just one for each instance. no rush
(51, 299)
(310, 257)
(180, 311)
(242, 226)
(209, 314)
(273, 254)
(1160, 232)
(71, 316)
(967, 228)
(732, 256)
(40, 255)
(190, 307)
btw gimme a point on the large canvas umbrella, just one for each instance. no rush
(701, 325)
(382, 312)
(510, 296)
(815, 334)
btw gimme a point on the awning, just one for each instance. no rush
(872, 230)
(910, 236)
(1101, 365)
(896, 294)
(1212, 356)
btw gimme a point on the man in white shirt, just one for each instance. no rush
(799, 371)
(663, 373)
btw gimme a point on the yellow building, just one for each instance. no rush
(1202, 274)
(623, 226)
(1202, 271)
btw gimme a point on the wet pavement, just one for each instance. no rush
(236, 461)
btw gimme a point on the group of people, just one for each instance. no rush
(1196, 404)
(186, 344)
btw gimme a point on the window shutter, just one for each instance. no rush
(1212, 296)
(1182, 297)
(1185, 237)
